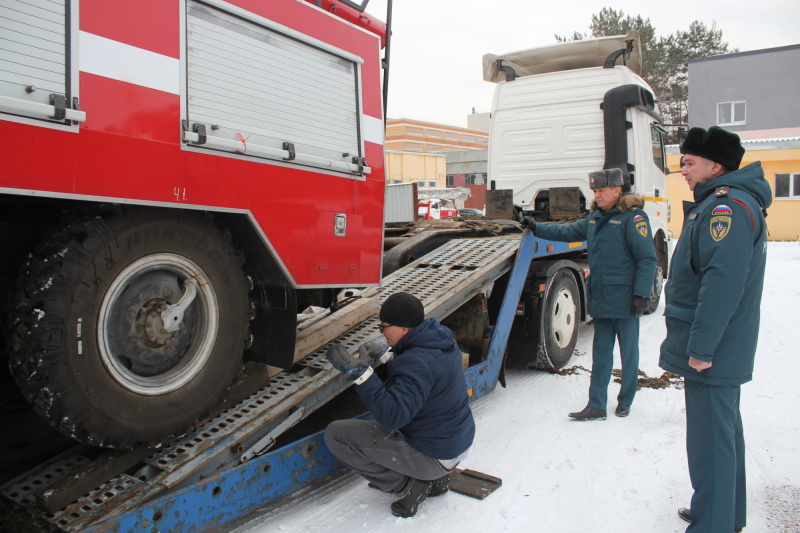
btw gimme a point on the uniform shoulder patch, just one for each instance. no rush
(722, 191)
(641, 225)
(721, 220)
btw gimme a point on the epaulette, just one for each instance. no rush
(722, 191)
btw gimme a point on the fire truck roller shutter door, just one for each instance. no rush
(130, 324)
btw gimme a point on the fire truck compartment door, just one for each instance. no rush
(35, 45)
(257, 88)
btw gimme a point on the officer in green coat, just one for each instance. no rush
(622, 264)
(713, 298)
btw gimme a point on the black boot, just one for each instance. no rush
(686, 514)
(407, 506)
(440, 486)
(589, 413)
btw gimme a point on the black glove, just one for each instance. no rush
(351, 365)
(377, 351)
(639, 305)
(528, 222)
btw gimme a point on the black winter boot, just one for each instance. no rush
(589, 413)
(686, 514)
(407, 506)
(440, 486)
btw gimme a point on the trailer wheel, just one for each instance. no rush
(129, 326)
(560, 320)
(655, 294)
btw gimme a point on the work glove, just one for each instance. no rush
(376, 350)
(352, 366)
(528, 222)
(639, 305)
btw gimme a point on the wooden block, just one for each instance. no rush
(333, 326)
(474, 484)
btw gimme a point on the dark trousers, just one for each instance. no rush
(715, 448)
(381, 456)
(606, 331)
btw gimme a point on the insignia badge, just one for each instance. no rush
(693, 216)
(637, 218)
(722, 191)
(722, 210)
(720, 226)
(641, 227)
(617, 222)
(592, 222)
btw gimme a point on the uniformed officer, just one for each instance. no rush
(713, 299)
(622, 263)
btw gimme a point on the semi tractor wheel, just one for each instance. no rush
(655, 294)
(560, 319)
(129, 326)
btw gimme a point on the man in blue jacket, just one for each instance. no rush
(422, 424)
(713, 300)
(622, 264)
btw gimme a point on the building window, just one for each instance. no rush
(731, 113)
(417, 147)
(433, 133)
(451, 135)
(431, 184)
(433, 148)
(787, 185)
(450, 180)
(475, 179)
(468, 138)
(411, 130)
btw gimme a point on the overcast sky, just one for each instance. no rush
(437, 45)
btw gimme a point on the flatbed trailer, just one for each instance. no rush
(225, 469)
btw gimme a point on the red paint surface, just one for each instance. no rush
(130, 148)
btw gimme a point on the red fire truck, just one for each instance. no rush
(155, 154)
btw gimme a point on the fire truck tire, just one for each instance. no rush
(89, 347)
(655, 294)
(560, 320)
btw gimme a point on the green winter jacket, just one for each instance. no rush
(622, 257)
(714, 287)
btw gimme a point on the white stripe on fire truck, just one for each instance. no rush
(123, 62)
(373, 130)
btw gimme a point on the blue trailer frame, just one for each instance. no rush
(225, 497)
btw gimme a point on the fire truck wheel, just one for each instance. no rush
(129, 326)
(560, 320)
(655, 294)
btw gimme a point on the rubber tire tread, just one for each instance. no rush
(549, 355)
(63, 280)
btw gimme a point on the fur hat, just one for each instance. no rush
(402, 309)
(716, 144)
(611, 177)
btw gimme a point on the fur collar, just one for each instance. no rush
(626, 202)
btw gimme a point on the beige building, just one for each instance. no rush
(780, 158)
(406, 135)
(428, 170)
(415, 150)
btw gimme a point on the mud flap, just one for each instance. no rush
(474, 484)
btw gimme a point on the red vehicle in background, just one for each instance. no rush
(436, 209)
(154, 156)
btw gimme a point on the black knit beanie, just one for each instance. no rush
(402, 309)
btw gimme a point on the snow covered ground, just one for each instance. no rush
(622, 475)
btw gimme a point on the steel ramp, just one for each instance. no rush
(444, 280)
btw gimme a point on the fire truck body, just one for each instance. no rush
(172, 172)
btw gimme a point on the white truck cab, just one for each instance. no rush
(563, 111)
